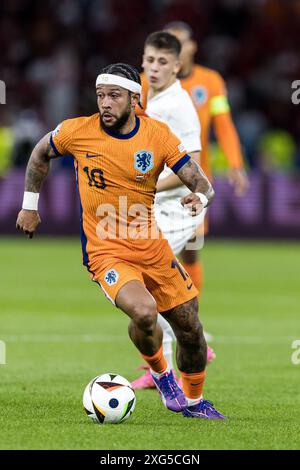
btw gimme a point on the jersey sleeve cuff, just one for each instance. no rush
(57, 153)
(180, 163)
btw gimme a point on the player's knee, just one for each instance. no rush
(145, 314)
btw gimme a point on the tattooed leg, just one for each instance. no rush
(191, 352)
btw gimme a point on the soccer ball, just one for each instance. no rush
(109, 398)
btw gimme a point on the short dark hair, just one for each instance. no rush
(164, 40)
(123, 70)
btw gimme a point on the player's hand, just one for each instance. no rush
(28, 222)
(238, 178)
(192, 203)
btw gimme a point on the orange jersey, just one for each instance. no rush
(208, 92)
(116, 176)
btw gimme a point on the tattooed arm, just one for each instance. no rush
(193, 177)
(172, 181)
(37, 169)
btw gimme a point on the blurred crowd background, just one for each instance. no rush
(51, 52)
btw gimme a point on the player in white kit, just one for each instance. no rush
(168, 102)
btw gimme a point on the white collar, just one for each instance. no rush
(168, 91)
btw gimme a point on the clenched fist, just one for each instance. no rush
(192, 203)
(28, 222)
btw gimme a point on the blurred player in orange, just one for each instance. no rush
(118, 158)
(209, 95)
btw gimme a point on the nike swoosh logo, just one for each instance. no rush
(93, 155)
(196, 384)
(189, 287)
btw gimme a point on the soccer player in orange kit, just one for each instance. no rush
(118, 158)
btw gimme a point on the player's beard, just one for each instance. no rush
(119, 122)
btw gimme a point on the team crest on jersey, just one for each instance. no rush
(111, 277)
(143, 161)
(199, 94)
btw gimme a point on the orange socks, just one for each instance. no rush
(192, 384)
(196, 273)
(157, 362)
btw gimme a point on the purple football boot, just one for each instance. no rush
(171, 394)
(203, 409)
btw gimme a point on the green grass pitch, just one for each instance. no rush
(60, 331)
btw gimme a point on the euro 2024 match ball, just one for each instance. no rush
(109, 398)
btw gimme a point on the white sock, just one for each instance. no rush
(168, 353)
(193, 401)
(168, 338)
(166, 326)
(157, 375)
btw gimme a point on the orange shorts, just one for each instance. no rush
(166, 280)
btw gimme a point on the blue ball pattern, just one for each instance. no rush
(113, 403)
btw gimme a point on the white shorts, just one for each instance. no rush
(177, 225)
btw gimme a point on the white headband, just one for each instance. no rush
(110, 79)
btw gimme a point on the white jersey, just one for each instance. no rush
(175, 108)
